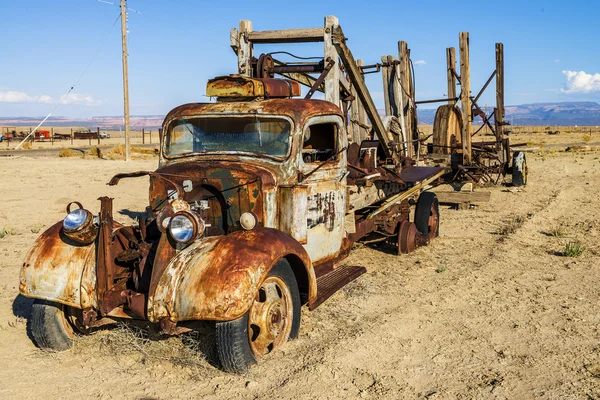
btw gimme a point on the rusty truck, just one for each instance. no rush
(257, 200)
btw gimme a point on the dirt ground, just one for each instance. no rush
(491, 309)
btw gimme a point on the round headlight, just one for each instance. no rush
(79, 226)
(185, 226)
(181, 228)
(248, 220)
(75, 219)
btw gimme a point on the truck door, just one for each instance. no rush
(323, 167)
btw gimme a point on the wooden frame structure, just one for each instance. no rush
(341, 80)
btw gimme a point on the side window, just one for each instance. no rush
(320, 142)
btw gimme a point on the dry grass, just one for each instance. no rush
(118, 153)
(6, 231)
(147, 347)
(512, 225)
(68, 153)
(559, 230)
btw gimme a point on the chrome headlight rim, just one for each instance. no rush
(84, 232)
(195, 231)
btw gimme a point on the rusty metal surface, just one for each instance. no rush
(218, 277)
(238, 86)
(54, 266)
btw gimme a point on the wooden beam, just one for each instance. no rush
(339, 41)
(385, 76)
(358, 114)
(234, 40)
(499, 117)
(465, 84)
(288, 36)
(451, 67)
(244, 49)
(332, 80)
(408, 96)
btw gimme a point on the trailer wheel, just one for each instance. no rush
(427, 215)
(273, 319)
(50, 327)
(519, 169)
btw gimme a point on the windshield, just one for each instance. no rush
(251, 134)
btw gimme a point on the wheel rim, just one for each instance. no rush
(270, 318)
(433, 221)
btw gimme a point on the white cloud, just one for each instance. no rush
(556, 60)
(581, 82)
(70, 99)
(420, 62)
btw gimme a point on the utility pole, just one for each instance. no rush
(125, 75)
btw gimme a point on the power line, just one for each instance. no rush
(72, 86)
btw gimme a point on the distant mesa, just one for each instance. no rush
(584, 113)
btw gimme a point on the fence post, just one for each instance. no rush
(143, 136)
(98, 134)
(52, 136)
(71, 136)
(151, 137)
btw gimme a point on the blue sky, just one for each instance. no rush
(551, 48)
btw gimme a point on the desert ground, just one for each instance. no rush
(500, 306)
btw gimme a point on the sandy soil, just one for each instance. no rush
(489, 310)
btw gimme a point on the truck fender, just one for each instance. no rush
(217, 278)
(57, 269)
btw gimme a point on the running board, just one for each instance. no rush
(333, 281)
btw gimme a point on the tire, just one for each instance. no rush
(519, 169)
(427, 215)
(49, 326)
(240, 342)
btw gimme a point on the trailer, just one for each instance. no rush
(257, 200)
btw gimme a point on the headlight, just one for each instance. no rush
(78, 225)
(185, 227)
(248, 221)
(75, 219)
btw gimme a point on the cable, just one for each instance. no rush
(295, 56)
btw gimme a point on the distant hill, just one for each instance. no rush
(103, 122)
(584, 113)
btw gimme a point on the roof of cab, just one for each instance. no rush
(297, 109)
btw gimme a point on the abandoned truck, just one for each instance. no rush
(257, 199)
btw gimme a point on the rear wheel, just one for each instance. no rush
(427, 215)
(50, 326)
(519, 169)
(272, 320)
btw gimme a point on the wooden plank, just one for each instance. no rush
(245, 49)
(385, 75)
(465, 84)
(463, 197)
(451, 67)
(339, 41)
(288, 36)
(408, 97)
(499, 117)
(332, 80)
(234, 40)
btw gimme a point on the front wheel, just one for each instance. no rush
(427, 215)
(50, 326)
(273, 319)
(519, 169)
